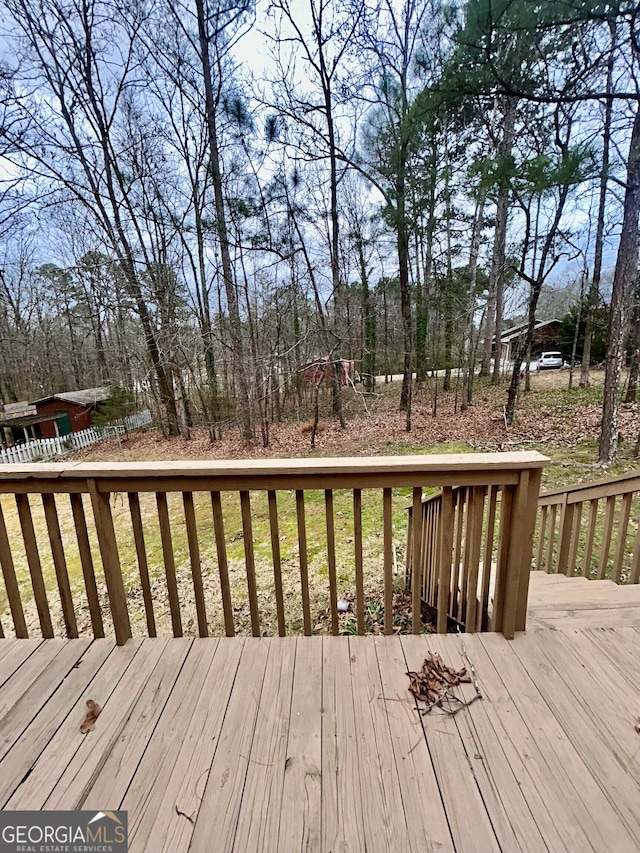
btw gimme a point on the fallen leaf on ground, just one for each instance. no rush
(93, 711)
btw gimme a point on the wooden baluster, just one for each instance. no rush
(531, 488)
(387, 527)
(606, 535)
(425, 550)
(591, 531)
(623, 528)
(634, 574)
(35, 567)
(468, 512)
(476, 514)
(247, 531)
(304, 562)
(487, 560)
(223, 567)
(409, 550)
(143, 567)
(331, 561)
(11, 582)
(194, 559)
(359, 573)
(575, 539)
(502, 563)
(60, 564)
(169, 563)
(86, 561)
(543, 527)
(460, 495)
(435, 560)
(277, 562)
(416, 563)
(564, 537)
(552, 538)
(445, 557)
(110, 562)
(433, 555)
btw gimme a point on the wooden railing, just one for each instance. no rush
(592, 530)
(106, 512)
(474, 547)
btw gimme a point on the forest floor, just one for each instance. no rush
(561, 423)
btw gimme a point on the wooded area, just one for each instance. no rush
(200, 199)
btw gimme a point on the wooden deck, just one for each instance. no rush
(299, 743)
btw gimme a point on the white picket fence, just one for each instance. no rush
(43, 449)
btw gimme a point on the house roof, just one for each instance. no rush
(27, 420)
(516, 331)
(87, 397)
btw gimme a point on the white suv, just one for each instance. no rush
(550, 360)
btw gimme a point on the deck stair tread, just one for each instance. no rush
(557, 601)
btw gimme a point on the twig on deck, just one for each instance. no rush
(433, 685)
(472, 668)
(182, 814)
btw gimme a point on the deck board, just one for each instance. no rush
(37, 787)
(593, 819)
(19, 749)
(513, 820)
(592, 741)
(123, 759)
(262, 798)
(470, 822)
(342, 805)
(314, 744)
(20, 651)
(521, 750)
(384, 817)
(171, 777)
(426, 819)
(86, 765)
(302, 791)
(219, 810)
(20, 678)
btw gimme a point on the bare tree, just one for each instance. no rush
(82, 55)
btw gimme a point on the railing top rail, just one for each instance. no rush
(442, 469)
(629, 482)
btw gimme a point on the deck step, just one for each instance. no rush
(557, 601)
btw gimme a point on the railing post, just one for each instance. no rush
(110, 562)
(518, 569)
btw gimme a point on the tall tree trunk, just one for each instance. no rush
(336, 378)
(634, 367)
(594, 290)
(536, 280)
(423, 287)
(497, 274)
(623, 279)
(369, 320)
(472, 267)
(405, 298)
(448, 292)
(235, 326)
